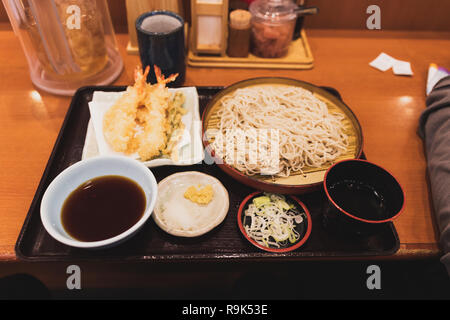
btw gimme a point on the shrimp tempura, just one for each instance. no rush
(153, 139)
(119, 121)
(138, 121)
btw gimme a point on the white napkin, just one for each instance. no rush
(402, 68)
(385, 62)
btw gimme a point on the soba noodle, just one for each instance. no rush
(277, 130)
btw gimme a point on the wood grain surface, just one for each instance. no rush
(387, 106)
(431, 15)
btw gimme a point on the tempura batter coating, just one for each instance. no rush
(144, 118)
(119, 121)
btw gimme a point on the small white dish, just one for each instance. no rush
(182, 217)
(189, 148)
(80, 172)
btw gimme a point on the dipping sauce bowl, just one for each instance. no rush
(362, 196)
(62, 188)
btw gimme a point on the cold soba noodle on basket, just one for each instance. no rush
(277, 130)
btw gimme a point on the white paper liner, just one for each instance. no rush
(187, 151)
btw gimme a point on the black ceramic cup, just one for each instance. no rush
(160, 36)
(362, 196)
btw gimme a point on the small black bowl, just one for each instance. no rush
(362, 196)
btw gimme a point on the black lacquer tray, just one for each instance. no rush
(224, 243)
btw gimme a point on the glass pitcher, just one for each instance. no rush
(68, 43)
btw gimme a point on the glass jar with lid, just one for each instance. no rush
(273, 23)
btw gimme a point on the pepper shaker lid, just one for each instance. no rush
(240, 19)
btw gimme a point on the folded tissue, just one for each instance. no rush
(385, 62)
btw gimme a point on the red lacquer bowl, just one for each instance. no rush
(304, 228)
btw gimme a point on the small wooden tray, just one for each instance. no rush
(299, 56)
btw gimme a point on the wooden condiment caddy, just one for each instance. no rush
(299, 55)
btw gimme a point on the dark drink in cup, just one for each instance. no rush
(160, 36)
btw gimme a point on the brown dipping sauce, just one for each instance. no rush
(102, 208)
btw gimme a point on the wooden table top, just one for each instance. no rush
(387, 106)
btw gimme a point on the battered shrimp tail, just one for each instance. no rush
(140, 79)
(160, 77)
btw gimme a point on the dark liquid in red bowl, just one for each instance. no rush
(358, 199)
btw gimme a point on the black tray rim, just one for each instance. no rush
(254, 257)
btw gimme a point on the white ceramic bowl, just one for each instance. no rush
(183, 219)
(69, 179)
